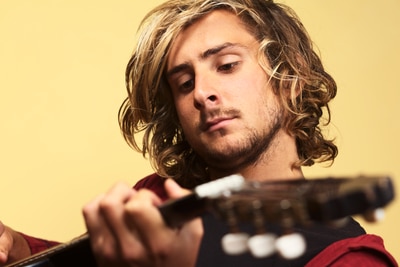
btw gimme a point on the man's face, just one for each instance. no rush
(225, 105)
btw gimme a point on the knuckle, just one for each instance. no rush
(105, 251)
(107, 203)
(87, 209)
(128, 254)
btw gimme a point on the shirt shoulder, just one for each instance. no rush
(365, 250)
(37, 245)
(153, 182)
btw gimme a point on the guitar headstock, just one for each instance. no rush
(296, 202)
(285, 203)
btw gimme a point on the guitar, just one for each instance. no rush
(231, 199)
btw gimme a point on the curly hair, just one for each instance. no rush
(285, 53)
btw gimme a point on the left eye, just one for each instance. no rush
(228, 67)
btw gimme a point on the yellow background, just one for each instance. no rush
(62, 80)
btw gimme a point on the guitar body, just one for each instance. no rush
(76, 253)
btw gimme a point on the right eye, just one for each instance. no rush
(187, 86)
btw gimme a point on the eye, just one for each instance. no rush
(182, 82)
(229, 67)
(186, 86)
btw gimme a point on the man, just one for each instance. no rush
(218, 87)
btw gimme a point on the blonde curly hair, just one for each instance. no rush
(286, 54)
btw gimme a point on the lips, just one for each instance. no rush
(216, 123)
(214, 119)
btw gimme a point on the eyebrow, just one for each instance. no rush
(206, 54)
(216, 50)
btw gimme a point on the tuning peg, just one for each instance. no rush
(376, 215)
(262, 245)
(291, 246)
(235, 243)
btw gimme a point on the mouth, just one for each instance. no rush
(215, 124)
(216, 119)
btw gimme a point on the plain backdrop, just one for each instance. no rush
(62, 66)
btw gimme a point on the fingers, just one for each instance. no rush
(127, 229)
(101, 238)
(114, 234)
(104, 221)
(174, 247)
(142, 213)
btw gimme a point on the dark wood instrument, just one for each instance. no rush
(327, 200)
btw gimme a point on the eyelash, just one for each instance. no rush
(231, 65)
(183, 88)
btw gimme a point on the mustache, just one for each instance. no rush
(208, 117)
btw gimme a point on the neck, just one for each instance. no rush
(276, 163)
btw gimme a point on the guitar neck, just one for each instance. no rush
(323, 200)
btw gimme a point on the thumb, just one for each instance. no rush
(174, 190)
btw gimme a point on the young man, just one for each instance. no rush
(218, 87)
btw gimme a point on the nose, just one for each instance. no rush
(205, 92)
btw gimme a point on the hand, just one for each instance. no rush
(126, 229)
(13, 246)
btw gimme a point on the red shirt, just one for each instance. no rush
(365, 250)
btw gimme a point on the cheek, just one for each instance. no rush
(185, 113)
(253, 79)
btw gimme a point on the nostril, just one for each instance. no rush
(201, 101)
(212, 98)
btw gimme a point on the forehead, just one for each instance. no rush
(212, 30)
